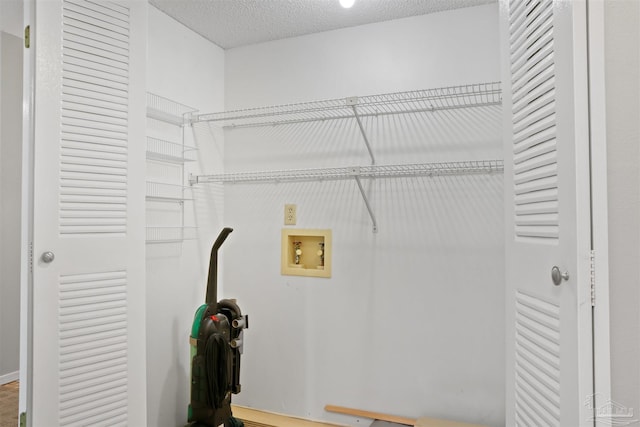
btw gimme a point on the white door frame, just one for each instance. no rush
(599, 205)
(26, 276)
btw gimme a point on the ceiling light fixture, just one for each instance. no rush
(347, 3)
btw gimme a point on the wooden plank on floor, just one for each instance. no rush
(420, 422)
(257, 418)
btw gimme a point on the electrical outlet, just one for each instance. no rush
(290, 215)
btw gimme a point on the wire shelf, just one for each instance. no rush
(166, 110)
(472, 167)
(161, 191)
(166, 151)
(447, 98)
(170, 234)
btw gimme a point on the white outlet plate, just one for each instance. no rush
(290, 216)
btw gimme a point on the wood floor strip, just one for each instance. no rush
(420, 422)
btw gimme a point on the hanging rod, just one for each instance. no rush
(446, 98)
(472, 167)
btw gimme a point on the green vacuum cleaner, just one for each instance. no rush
(216, 346)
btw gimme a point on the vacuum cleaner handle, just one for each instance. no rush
(212, 282)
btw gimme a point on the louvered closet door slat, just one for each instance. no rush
(542, 144)
(545, 135)
(102, 43)
(85, 11)
(107, 78)
(91, 104)
(544, 123)
(82, 142)
(544, 106)
(92, 94)
(541, 22)
(103, 10)
(537, 77)
(532, 166)
(535, 62)
(518, 14)
(102, 40)
(524, 37)
(549, 171)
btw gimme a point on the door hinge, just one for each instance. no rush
(31, 257)
(23, 419)
(27, 36)
(592, 276)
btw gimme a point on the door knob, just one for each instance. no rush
(47, 257)
(558, 276)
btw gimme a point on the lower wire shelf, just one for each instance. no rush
(170, 234)
(357, 173)
(469, 167)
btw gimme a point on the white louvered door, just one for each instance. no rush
(549, 340)
(88, 366)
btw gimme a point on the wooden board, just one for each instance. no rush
(420, 422)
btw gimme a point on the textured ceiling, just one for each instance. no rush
(233, 23)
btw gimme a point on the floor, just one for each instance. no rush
(256, 418)
(9, 405)
(252, 418)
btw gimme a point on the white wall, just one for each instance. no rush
(622, 50)
(412, 320)
(10, 172)
(10, 159)
(11, 17)
(186, 68)
(386, 57)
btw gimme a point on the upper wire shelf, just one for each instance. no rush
(167, 110)
(446, 98)
(471, 167)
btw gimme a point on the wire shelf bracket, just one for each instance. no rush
(367, 204)
(353, 102)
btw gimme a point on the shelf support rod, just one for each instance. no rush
(362, 131)
(366, 202)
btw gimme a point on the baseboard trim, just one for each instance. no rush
(9, 378)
